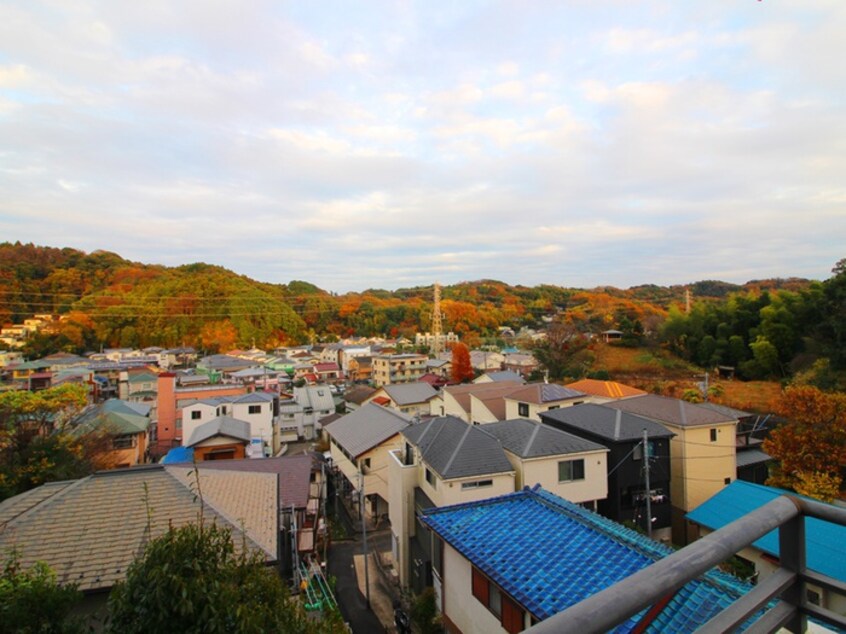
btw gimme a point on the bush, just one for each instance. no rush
(32, 601)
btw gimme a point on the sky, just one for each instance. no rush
(391, 144)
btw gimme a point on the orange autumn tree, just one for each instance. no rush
(462, 369)
(811, 445)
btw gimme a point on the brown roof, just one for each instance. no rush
(607, 389)
(461, 393)
(359, 394)
(90, 530)
(670, 411)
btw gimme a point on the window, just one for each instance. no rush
(196, 415)
(125, 441)
(714, 435)
(254, 409)
(727, 480)
(552, 407)
(569, 470)
(476, 484)
(430, 478)
(637, 453)
(510, 615)
(522, 409)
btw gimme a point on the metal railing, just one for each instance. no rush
(785, 589)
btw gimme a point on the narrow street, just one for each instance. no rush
(350, 599)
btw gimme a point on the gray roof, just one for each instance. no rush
(544, 393)
(504, 375)
(671, 411)
(725, 410)
(254, 397)
(530, 439)
(366, 427)
(223, 426)
(454, 449)
(749, 457)
(410, 393)
(605, 422)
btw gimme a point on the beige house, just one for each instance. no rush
(360, 443)
(410, 398)
(703, 451)
(457, 400)
(564, 464)
(398, 368)
(441, 462)
(535, 398)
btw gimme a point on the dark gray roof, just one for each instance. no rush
(223, 426)
(749, 457)
(529, 439)
(410, 393)
(254, 397)
(606, 422)
(366, 428)
(454, 449)
(672, 411)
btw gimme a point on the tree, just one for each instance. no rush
(193, 579)
(564, 352)
(462, 369)
(32, 601)
(812, 441)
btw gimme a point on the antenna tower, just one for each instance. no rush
(687, 301)
(437, 323)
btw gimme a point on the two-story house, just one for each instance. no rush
(410, 398)
(704, 452)
(300, 415)
(535, 398)
(441, 461)
(359, 444)
(623, 434)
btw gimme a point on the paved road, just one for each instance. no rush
(353, 606)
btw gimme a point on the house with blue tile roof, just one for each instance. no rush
(825, 543)
(505, 563)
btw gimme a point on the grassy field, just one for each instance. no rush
(657, 371)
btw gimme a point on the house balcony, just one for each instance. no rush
(779, 601)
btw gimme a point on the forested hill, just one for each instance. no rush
(110, 301)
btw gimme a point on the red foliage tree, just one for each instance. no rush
(462, 369)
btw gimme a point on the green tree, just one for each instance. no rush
(194, 579)
(32, 601)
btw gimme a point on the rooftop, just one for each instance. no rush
(606, 422)
(366, 428)
(671, 411)
(529, 439)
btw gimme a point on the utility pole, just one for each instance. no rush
(323, 492)
(648, 486)
(363, 536)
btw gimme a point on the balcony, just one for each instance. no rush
(782, 594)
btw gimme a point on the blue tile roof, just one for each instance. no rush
(549, 554)
(825, 548)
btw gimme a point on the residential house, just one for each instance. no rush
(350, 352)
(503, 564)
(427, 339)
(329, 372)
(258, 409)
(567, 465)
(357, 396)
(262, 378)
(604, 391)
(10, 357)
(535, 398)
(704, 448)
(137, 386)
(456, 400)
(125, 424)
(398, 368)
(520, 362)
(221, 438)
(441, 461)
(434, 380)
(89, 531)
(753, 464)
(440, 367)
(485, 360)
(623, 434)
(359, 444)
(359, 368)
(300, 416)
(410, 398)
(499, 376)
(177, 358)
(825, 542)
(169, 400)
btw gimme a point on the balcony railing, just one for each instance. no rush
(784, 591)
